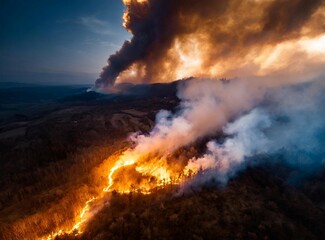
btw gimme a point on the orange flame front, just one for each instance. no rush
(76, 228)
(147, 173)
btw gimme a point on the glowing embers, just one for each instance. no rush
(140, 173)
(83, 215)
(124, 161)
(76, 229)
(132, 172)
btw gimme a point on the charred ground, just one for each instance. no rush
(50, 148)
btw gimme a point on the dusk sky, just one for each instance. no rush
(58, 41)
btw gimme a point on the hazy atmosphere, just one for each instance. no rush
(162, 119)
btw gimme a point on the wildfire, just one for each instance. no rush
(147, 173)
(76, 228)
(223, 43)
(121, 163)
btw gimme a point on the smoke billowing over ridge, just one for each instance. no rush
(288, 128)
(214, 38)
(255, 120)
(263, 45)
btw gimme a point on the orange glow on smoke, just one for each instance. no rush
(188, 58)
(200, 53)
(126, 13)
(128, 2)
(226, 47)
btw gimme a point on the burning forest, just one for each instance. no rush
(207, 124)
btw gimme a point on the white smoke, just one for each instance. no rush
(247, 139)
(290, 123)
(206, 106)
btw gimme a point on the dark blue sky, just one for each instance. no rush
(58, 41)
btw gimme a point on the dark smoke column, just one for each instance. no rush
(153, 26)
(157, 24)
(130, 52)
(140, 23)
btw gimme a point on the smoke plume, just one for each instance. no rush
(206, 106)
(264, 45)
(289, 124)
(255, 117)
(214, 38)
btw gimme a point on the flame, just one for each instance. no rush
(121, 163)
(76, 229)
(146, 173)
(190, 55)
(153, 172)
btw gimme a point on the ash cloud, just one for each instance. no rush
(224, 29)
